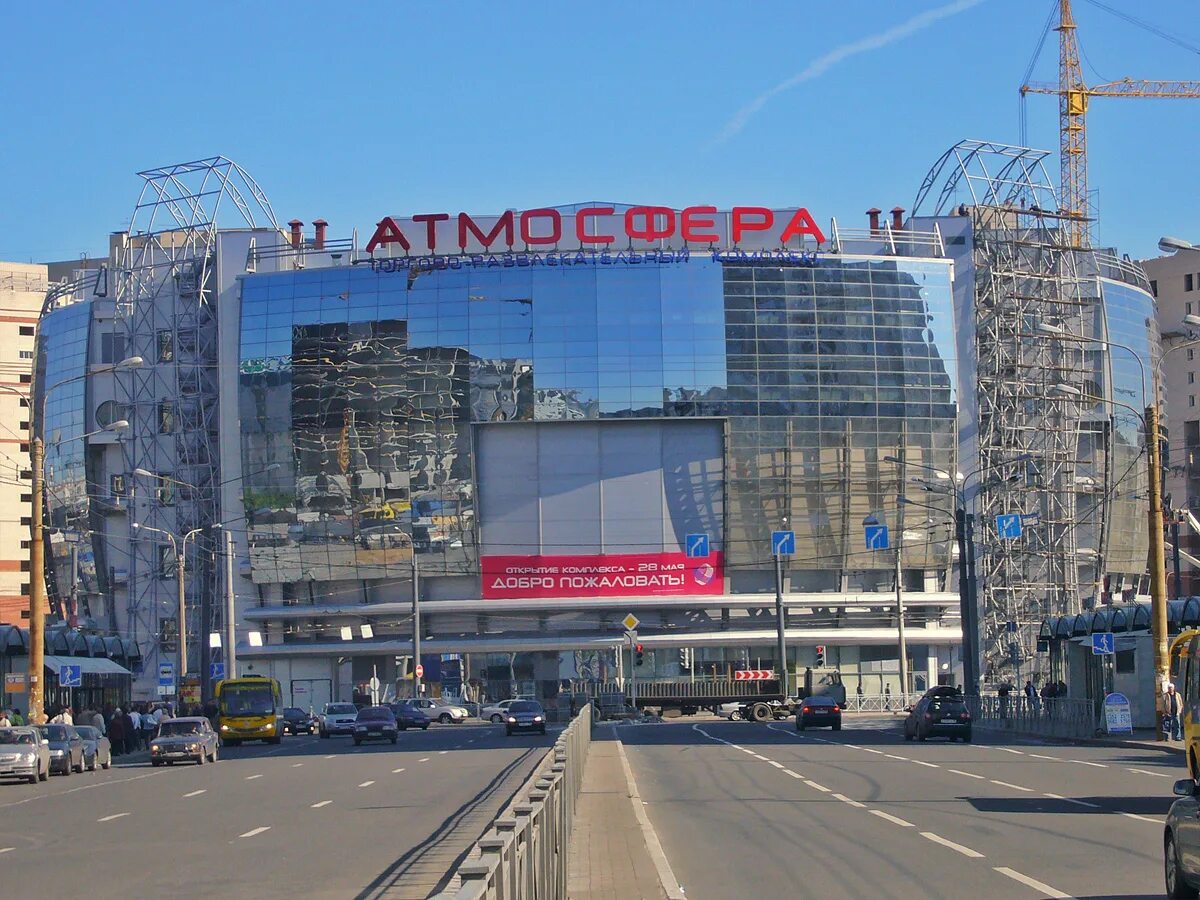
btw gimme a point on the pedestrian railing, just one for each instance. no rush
(1054, 717)
(879, 702)
(524, 854)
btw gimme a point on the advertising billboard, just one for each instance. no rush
(601, 575)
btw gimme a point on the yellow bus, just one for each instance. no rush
(1185, 672)
(249, 709)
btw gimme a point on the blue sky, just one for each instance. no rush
(351, 112)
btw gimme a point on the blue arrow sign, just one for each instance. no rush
(1103, 643)
(876, 537)
(216, 671)
(783, 543)
(696, 545)
(1008, 526)
(70, 676)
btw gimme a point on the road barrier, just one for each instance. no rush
(524, 853)
(1055, 717)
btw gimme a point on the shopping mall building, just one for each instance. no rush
(549, 418)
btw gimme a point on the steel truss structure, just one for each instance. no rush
(1028, 390)
(166, 301)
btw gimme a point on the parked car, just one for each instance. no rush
(496, 713)
(408, 715)
(98, 750)
(731, 711)
(24, 753)
(66, 748)
(337, 718)
(818, 711)
(525, 715)
(1181, 841)
(442, 711)
(375, 723)
(186, 739)
(939, 714)
(297, 721)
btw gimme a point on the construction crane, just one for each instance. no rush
(1073, 98)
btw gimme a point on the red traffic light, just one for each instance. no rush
(639, 648)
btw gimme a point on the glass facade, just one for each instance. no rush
(359, 390)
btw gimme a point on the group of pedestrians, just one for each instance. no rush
(128, 729)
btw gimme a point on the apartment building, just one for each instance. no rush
(22, 292)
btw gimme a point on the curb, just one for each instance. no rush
(1164, 747)
(666, 877)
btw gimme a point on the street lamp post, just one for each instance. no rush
(781, 622)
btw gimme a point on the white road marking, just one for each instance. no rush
(1040, 756)
(331, 756)
(1148, 772)
(775, 764)
(1033, 883)
(297, 765)
(1010, 750)
(397, 771)
(794, 774)
(1142, 818)
(965, 851)
(7, 849)
(1015, 787)
(366, 784)
(197, 793)
(968, 774)
(423, 759)
(322, 803)
(854, 747)
(444, 752)
(1084, 762)
(252, 777)
(253, 831)
(818, 787)
(870, 750)
(86, 787)
(929, 765)
(763, 758)
(893, 756)
(892, 819)
(1072, 800)
(846, 799)
(113, 816)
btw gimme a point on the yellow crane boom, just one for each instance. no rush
(1073, 96)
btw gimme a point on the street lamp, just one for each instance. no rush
(1168, 244)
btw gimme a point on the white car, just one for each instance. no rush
(441, 711)
(337, 718)
(24, 754)
(496, 713)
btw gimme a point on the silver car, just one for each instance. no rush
(496, 713)
(337, 718)
(189, 739)
(24, 754)
(97, 750)
(441, 711)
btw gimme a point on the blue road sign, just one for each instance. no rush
(696, 545)
(1103, 643)
(70, 676)
(783, 543)
(876, 536)
(216, 671)
(1008, 526)
(166, 674)
(1012, 627)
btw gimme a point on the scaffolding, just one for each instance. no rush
(166, 305)
(1029, 390)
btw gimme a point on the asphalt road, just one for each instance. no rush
(743, 809)
(310, 817)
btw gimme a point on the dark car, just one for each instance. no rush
(1181, 841)
(375, 723)
(525, 715)
(66, 748)
(820, 712)
(409, 715)
(189, 738)
(297, 721)
(939, 714)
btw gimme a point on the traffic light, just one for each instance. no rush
(685, 658)
(640, 657)
(820, 656)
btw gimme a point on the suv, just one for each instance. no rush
(338, 718)
(941, 712)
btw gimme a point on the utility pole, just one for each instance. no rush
(180, 575)
(416, 637)
(205, 636)
(632, 635)
(230, 635)
(964, 530)
(781, 625)
(900, 468)
(1158, 564)
(37, 593)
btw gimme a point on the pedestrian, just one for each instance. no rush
(149, 728)
(1172, 724)
(116, 732)
(135, 730)
(98, 722)
(130, 732)
(1031, 697)
(5, 721)
(1003, 692)
(63, 717)
(887, 697)
(16, 717)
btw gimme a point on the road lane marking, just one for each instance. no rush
(763, 758)
(1040, 756)
(794, 774)
(424, 759)
(366, 784)
(1033, 883)
(1084, 762)
(775, 764)
(397, 771)
(870, 750)
(444, 752)
(854, 747)
(1142, 818)
(968, 774)
(1010, 750)
(7, 849)
(817, 787)
(252, 777)
(893, 756)
(196, 793)
(113, 816)
(1072, 800)
(322, 803)
(893, 819)
(253, 831)
(297, 765)
(1015, 787)
(846, 799)
(965, 851)
(1148, 772)
(929, 765)
(86, 787)
(331, 756)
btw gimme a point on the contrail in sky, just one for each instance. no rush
(823, 64)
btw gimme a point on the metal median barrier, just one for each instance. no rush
(1058, 717)
(523, 856)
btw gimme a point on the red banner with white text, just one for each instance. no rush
(601, 575)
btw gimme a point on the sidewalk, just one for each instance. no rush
(608, 859)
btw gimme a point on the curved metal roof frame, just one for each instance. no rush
(993, 174)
